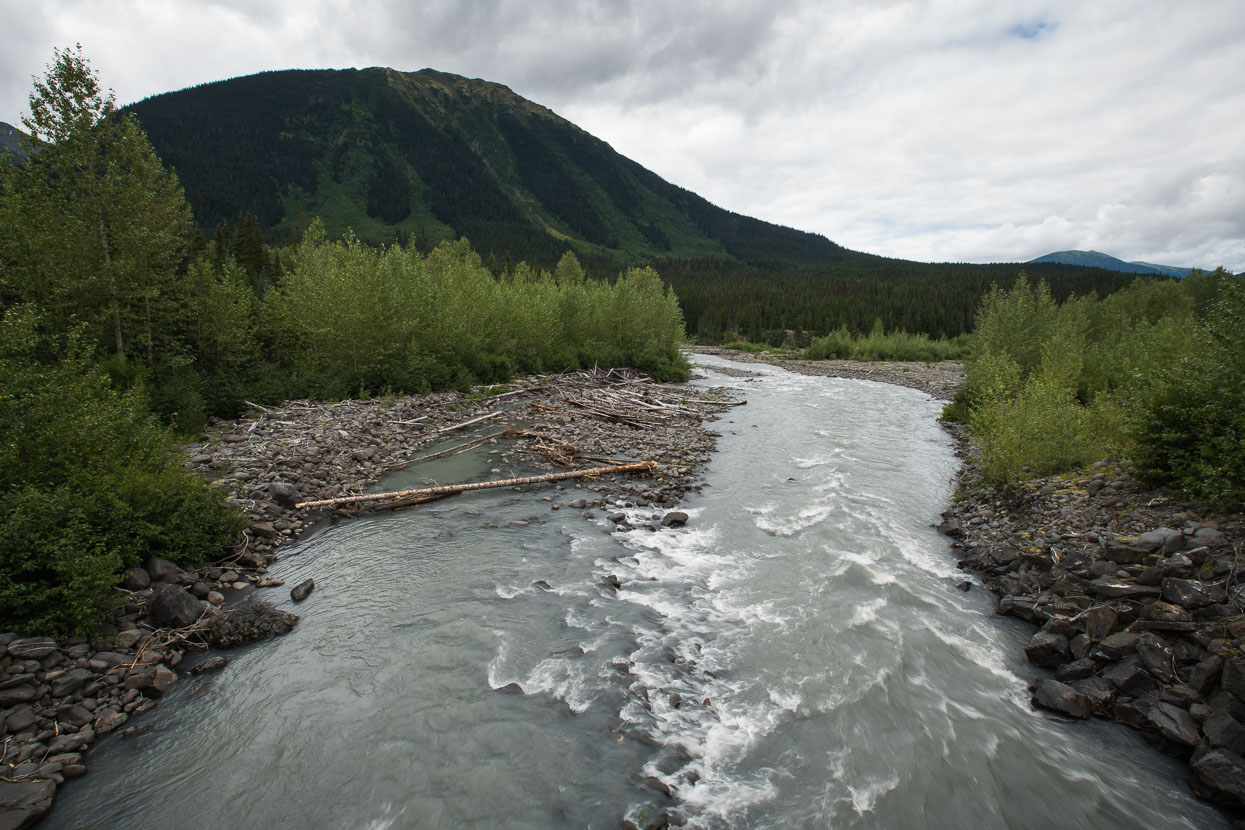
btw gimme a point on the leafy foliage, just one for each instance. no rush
(89, 485)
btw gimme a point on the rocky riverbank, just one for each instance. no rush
(57, 698)
(1137, 595)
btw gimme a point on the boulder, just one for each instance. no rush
(1174, 724)
(1157, 657)
(173, 607)
(162, 570)
(248, 624)
(70, 682)
(22, 803)
(1117, 589)
(286, 495)
(109, 720)
(1098, 622)
(1164, 539)
(32, 648)
(1060, 697)
(1076, 670)
(136, 579)
(1048, 649)
(1220, 774)
(1129, 677)
(1125, 553)
(21, 693)
(1186, 593)
(302, 590)
(675, 518)
(1117, 646)
(1223, 731)
(214, 663)
(1233, 678)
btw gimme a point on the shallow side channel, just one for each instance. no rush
(796, 656)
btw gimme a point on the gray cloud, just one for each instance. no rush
(966, 131)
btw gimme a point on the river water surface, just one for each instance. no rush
(796, 656)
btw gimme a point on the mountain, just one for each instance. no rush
(1097, 259)
(11, 141)
(429, 156)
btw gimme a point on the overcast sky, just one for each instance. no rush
(946, 130)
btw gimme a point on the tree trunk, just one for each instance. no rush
(112, 287)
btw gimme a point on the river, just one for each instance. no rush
(797, 655)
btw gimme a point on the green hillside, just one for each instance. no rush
(427, 156)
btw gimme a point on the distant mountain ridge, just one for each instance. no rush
(428, 156)
(1097, 259)
(11, 141)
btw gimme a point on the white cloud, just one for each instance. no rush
(964, 130)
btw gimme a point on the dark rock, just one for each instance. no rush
(1157, 657)
(32, 648)
(74, 715)
(264, 529)
(72, 742)
(1059, 624)
(136, 579)
(1115, 589)
(1164, 539)
(510, 689)
(162, 570)
(658, 785)
(23, 693)
(1209, 537)
(675, 518)
(1165, 612)
(964, 586)
(950, 527)
(1186, 594)
(1099, 691)
(19, 720)
(1125, 553)
(1060, 697)
(22, 803)
(1117, 646)
(109, 720)
(1174, 724)
(173, 607)
(1220, 774)
(214, 663)
(1076, 670)
(1048, 649)
(302, 590)
(618, 518)
(247, 624)
(70, 682)
(1233, 678)
(1134, 713)
(1225, 732)
(1098, 622)
(1129, 677)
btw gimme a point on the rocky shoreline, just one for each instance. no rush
(1138, 596)
(56, 699)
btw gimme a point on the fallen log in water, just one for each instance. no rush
(447, 489)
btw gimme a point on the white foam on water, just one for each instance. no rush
(384, 821)
(865, 797)
(867, 612)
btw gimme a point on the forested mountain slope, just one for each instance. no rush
(426, 156)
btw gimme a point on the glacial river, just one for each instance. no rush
(797, 656)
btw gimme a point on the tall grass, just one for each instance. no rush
(882, 345)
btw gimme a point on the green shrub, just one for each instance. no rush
(745, 346)
(89, 485)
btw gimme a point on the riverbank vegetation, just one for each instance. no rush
(121, 327)
(1155, 372)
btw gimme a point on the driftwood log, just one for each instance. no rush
(448, 489)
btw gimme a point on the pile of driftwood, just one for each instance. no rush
(622, 396)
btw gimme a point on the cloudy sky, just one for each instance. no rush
(944, 130)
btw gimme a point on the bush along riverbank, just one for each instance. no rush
(57, 698)
(1138, 596)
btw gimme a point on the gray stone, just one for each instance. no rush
(1164, 539)
(675, 518)
(1174, 724)
(162, 679)
(1220, 774)
(136, 579)
(1129, 677)
(23, 693)
(32, 648)
(128, 638)
(72, 742)
(214, 663)
(264, 529)
(70, 682)
(1076, 670)
(74, 715)
(1048, 649)
(302, 590)
(1098, 622)
(22, 803)
(1117, 646)
(1224, 731)
(162, 570)
(173, 607)
(1060, 697)
(19, 720)
(109, 720)
(1209, 537)
(1115, 589)
(1157, 657)
(1233, 678)
(1186, 594)
(284, 494)
(1125, 553)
